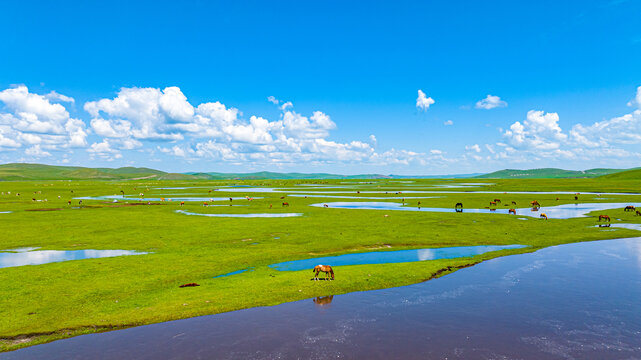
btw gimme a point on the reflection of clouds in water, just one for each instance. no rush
(261, 215)
(27, 257)
(634, 245)
(511, 278)
(425, 254)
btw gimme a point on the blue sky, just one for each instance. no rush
(174, 85)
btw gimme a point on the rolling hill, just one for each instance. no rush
(50, 172)
(19, 171)
(632, 174)
(548, 173)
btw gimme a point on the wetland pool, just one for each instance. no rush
(32, 256)
(259, 215)
(566, 211)
(388, 257)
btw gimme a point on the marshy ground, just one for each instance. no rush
(55, 300)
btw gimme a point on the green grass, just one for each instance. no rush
(47, 302)
(548, 173)
(633, 174)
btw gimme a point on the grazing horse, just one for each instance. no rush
(492, 203)
(638, 213)
(497, 200)
(512, 211)
(576, 198)
(182, 203)
(205, 203)
(535, 203)
(324, 268)
(285, 204)
(604, 217)
(629, 208)
(325, 205)
(68, 202)
(513, 202)
(543, 216)
(458, 207)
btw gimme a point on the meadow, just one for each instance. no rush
(41, 303)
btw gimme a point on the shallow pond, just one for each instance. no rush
(365, 197)
(565, 302)
(565, 211)
(165, 197)
(259, 215)
(233, 273)
(31, 256)
(386, 257)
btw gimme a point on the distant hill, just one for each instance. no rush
(312, 176)
(13, 172)
(50, 172)
(632, 174)
(282, 176)
(548, 173)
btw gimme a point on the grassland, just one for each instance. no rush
(548, 173)
(46, 302)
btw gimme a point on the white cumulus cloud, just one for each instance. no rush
(422, 101)
(490, 102)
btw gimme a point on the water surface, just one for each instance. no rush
(31, 256)
(386, 257)
(259, 215)
(565, 211)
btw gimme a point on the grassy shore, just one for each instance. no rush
(46, 302)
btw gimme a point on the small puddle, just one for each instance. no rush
(234, 273)
(31, 256)
(387, 257)
(565, 211)
(6, 212)
(260, 215)
(622, 226)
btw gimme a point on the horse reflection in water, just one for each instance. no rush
(322, 301)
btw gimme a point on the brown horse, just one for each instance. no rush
(285, 204)
(492, 203)
(535, 204)
(324, 268)
(512, 211)
(638, 213)
(513, 202)
(629, 208)
(543, 216)
(182, 203)
(604, 217)
(497, 200)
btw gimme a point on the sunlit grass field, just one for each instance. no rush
(40, 303)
